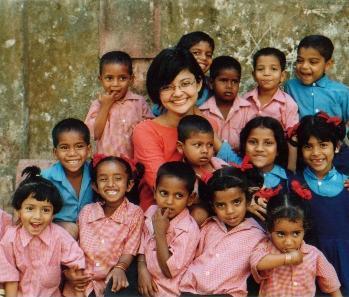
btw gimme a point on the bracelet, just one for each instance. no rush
(140, 261)
(288, 259)
(121, 265)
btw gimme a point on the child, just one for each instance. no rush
(112, 117)
(110, 230)
(170, 234)
(71, 175)
(267, 99)
(221, 264)
(318, 137)
(174, 79)
(195, 143)
(283, 264)
(5, 221)
(31, 254)
(312, 89)
(201, 45)
(228, 110)
(264, 142)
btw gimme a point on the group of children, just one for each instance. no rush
(197, 189)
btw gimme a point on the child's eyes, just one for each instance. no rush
(280, 234)
(197, 145)
(323, 145)
(251, 141)
(237, 202)
(219, 205)
(179, 195)
(47, 210)
(196, 53)
(163, 193)
(269, 143)
(296, 233)
(29, 208)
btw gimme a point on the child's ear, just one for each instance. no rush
(254, 75)
(132, 79)
(191, 199)
(54, 152)
(329, 64)
(130, 185)
(283, 76)
(94, 187)
(180, 147)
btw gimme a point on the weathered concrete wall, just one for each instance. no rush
(49, 52)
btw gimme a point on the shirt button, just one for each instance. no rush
(124, 121)
(98, 264)
(295, 284)
(217, 255)
(314, 84)
(312, 94)
(319, 183)
(102, 241)
(317, 110)
(207, 273)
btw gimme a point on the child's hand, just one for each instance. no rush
(119, 279)
(346, 184)
(258, 208)
(294, 258)
(146, 285)
(106, 98)
(77, 277)
(161, 221)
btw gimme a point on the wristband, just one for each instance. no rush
(288, 258)
(121, 265)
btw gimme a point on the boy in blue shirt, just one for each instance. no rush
(312, 89)
(71, 175)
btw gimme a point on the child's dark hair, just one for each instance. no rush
(270, 51)
(116, 57)
(193, 124)
(275, 126)
(187, 41)
(132, 174)
(67, 125)
(37, 187)
(222, 179)
(179, 170)
(166, 66)
(224, 62)
(321, 128)
(287, 206)
(320, 43)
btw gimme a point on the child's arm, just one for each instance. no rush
(11, 289)
(337, 293)
(276, 260)
(146, 284)
(118, 273)
(161, 224)
(106, 101)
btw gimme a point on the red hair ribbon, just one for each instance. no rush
(268, 193)
(245, 164)
(130, 161)
(330, 120)
(292, 131)
(97, 158)
(300, 191)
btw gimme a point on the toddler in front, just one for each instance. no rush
(113, 115)
(32, 253)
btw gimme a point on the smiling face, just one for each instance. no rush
(318, 155)
(35, 215)
(268, 73)
(112, 183)
(72, 151)
(287, 236)
(197, 149)
(226, 85)
(180, 96)
(230, 206)
(202, 53)
(171, 193)
(310, 65)
(261, 147)
(116, 79)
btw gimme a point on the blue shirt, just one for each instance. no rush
(325, 95)
(71, 203)
(330, 186)
(271, 179)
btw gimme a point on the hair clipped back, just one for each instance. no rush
(287, 206)
(321, 43)
(187, 41)
(193, 124)
(35, 186)
(224, 62)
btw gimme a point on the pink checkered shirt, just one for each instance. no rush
(104, 239)
(182, 238)
(222, 261)
(294, 280)
(281, 107)
(5, 221)
(35, 261)
(123, 116)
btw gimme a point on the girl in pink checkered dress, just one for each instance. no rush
(110, 229)
(283, 263)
